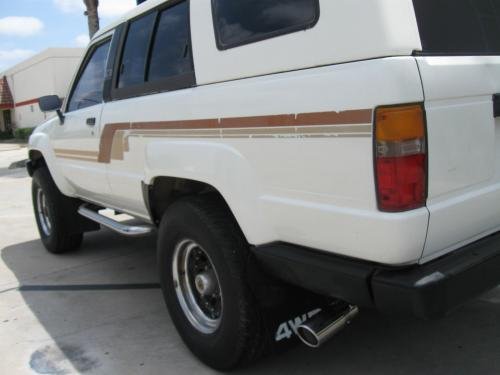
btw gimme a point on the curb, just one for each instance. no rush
(18, 164)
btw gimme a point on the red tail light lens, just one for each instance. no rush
(400, 158)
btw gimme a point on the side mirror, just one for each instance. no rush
(51, 103)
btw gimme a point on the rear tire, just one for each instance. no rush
(54, 213)
(227, 333)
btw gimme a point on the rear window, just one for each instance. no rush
(156, 54)
(463, 27)
(135, 51)
(171, 55)
(247, 21)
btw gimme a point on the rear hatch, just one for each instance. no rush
(460, 70)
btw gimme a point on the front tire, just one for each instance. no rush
(54, 213)
(202, 265)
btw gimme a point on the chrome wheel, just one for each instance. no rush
(42, 210)
(197, 286)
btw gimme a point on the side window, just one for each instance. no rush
(133, 64)
(171, 55)
(156, 54)
(460, 27)
(88, 90)
(247, 21)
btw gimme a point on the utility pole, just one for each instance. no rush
(92, 16)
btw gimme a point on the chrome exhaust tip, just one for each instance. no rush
(326, 324)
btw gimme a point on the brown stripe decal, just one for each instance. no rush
(185, 124)
(114, 139)
(257, 121)
(107, 136)
(332, 118)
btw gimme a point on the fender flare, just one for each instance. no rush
(39, 141)
(220, 166)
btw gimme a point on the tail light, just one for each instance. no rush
(400, 158)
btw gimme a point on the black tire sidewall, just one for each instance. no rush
(224, 348)
(60, 239)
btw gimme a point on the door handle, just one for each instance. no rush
(91, 121)
(496, 105)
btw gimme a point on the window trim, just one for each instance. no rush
(110, 67)
(289, 30)
(88, 55)
(426, 53)
(182, 81)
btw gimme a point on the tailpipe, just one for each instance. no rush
(323, 326)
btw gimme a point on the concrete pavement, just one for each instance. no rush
(99, 311)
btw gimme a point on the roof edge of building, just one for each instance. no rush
(51, 52)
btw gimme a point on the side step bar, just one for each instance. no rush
(126, 230)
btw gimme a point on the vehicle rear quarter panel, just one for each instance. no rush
(281, 184)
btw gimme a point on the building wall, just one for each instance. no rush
(2, 126)
(49, 73)
(29, 116)
(63, 70)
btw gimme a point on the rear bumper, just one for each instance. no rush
(426, 291)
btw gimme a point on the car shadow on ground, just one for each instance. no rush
(128, 331)
(13, 172)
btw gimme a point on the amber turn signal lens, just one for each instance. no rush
(402, 123)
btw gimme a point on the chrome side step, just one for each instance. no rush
(126, 230)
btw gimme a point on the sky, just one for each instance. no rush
(30, 26)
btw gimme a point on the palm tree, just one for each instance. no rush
(92, 15)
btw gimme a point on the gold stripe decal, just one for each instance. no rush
(114, 140)
(77, 154)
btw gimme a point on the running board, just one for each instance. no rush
(126, 230)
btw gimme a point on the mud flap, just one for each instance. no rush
(283, 308)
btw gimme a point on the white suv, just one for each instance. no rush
(350, 148)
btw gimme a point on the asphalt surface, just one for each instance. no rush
(99, 311)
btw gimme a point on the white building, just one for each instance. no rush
(49, 72)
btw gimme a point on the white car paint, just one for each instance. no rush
(464, 150)
(392, 32)
(327, 180)
(315, 192)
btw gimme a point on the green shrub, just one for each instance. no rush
(5, 135)
(23, 133)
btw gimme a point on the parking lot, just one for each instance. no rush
(99, 311)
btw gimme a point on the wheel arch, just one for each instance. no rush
(163, 191)
(46, 159)
(35, 160)
(218, 168)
